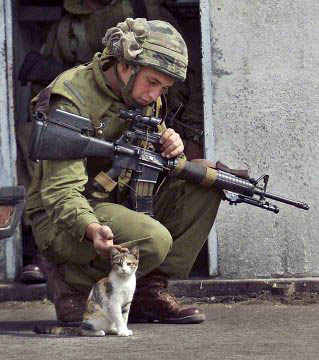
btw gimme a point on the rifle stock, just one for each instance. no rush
(57, 140)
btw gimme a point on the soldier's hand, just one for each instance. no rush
(172, 144)
(102, 238)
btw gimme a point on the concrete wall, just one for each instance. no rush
(7, 139)
(265, 81)
(10, 249)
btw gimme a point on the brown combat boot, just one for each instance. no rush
(69, 303)
(152, 302)
(37, 271)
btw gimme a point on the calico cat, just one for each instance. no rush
(109, 302)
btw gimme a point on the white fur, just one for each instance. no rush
(122, 294)
(114, 321)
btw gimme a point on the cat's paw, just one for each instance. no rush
(100, 333)
(125, 332)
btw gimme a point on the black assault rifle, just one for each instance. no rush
(68, 136)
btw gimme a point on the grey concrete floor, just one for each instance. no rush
(247, 331)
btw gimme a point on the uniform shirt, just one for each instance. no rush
(64, 189)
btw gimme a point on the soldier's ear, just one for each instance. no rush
(123, 68)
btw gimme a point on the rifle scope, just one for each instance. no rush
(137, 117)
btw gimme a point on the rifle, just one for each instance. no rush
(68, 136)
(12, 200)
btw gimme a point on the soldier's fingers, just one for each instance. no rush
(166, 151)
(106, 232)
(166, 134)
(121, 248)
(173, 151)
(174, 142)
(173, 139)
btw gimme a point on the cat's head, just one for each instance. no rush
(125, 263)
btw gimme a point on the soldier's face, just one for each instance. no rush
(148, 85)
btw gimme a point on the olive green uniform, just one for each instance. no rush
(62, 200)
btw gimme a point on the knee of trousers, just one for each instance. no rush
(156, 245)
(205, 194)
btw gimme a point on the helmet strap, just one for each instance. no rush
(126, 89)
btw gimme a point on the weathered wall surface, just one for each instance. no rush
(7, 137)
(265, 80)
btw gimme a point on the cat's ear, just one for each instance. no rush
(135, 251)
(114, 251)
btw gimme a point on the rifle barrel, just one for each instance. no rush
(297, 204)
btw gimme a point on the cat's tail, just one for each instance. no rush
(57, 330)
(68, 331)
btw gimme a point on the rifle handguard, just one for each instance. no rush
(192, 172)
(226, 181)
(201, 171)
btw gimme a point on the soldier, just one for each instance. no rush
(74, 40)
(75, 223)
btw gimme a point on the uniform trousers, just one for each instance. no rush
(169, 242)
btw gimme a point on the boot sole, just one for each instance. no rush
(150, 318)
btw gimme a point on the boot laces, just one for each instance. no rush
(170, 297)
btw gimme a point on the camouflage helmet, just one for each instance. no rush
(153, 43)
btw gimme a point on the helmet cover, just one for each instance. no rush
(153, 43)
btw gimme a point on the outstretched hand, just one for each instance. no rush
(102, 238)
